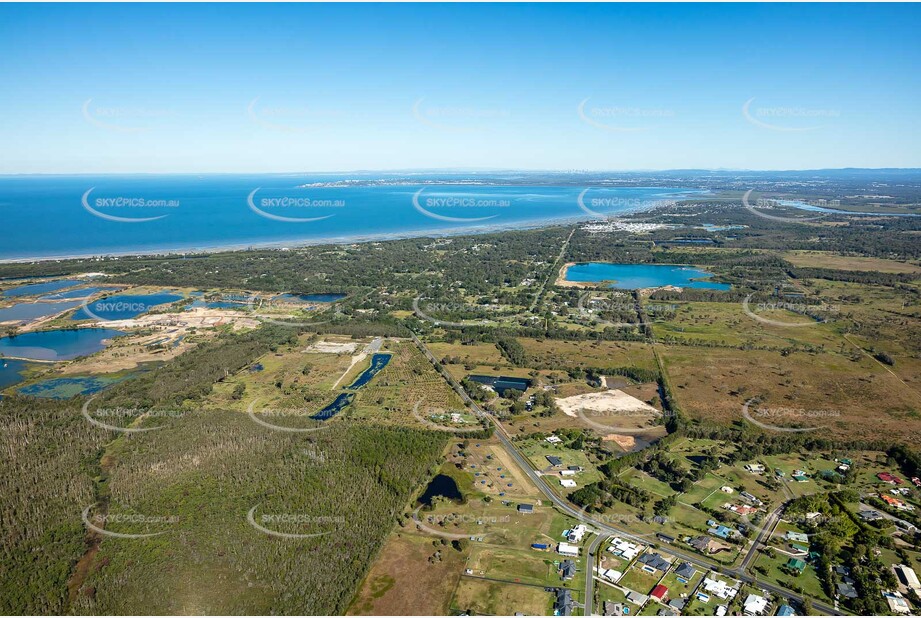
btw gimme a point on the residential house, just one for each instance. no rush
(565, 549)
(564, 603)
(554, 460)
(526, 509)
(847, 590)
(637, 598)
(685, 571)
(897, 603)
(567, 570)
(577, 533)
(654, 561)
(659, 593)
(754, 605)
(908, 577)
(889, 478)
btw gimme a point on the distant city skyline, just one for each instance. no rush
(340, 88)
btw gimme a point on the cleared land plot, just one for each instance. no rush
(403, 582)
(480, 596)
(827, 259)
(605, 354)
(838, 396)
(727, 324)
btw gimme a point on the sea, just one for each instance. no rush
(47, 217)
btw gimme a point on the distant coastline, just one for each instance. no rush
(280, 245)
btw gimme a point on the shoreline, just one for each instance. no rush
(291, 244)
(300, 243)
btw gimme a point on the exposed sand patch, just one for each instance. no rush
(332, 347)
(609, 401)
(625, 442)
(563, 283)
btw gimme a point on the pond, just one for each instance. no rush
(76, 293)
(26, 312)
(217, 304)
(12, 370)
(334, 408)
(57, 345)
(444, 486)
(65, 388)
(123, 306)
(378, 362)
(501, 384)
(639, 276)
(41, 288)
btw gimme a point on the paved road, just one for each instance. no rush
(590, 562)
(554, 271)
(600, 527)
(770, 522)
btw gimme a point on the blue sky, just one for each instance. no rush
(300, 88)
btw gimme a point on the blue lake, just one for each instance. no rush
(638, 276)
(216, 304)
(340, 402)
(11, 370)
(40, 288)
(57, 345)
(51, 216)
(77, 293)
(25, 312)
(378, 362)
(317, 298)
(124, 306)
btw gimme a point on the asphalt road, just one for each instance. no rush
(590, 561)
(600, 527)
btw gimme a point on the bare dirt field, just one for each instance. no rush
(613, 401)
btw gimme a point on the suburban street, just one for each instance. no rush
(590, 562)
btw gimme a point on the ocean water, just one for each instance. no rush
(638, 276)
(57, 216)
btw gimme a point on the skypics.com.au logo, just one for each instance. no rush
(105, 207)
(606, 208)
(815, 313)
(271, 207)
(788, 119)
(455, 206)
(768, 417)
(458, 118)
(269, 523)
(130, 420)
(296, 420)
(100, 522)
(621, 119)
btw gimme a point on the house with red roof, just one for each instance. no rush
(889, 478)
(659, 592)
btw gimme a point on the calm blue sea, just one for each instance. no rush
(57, 216)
